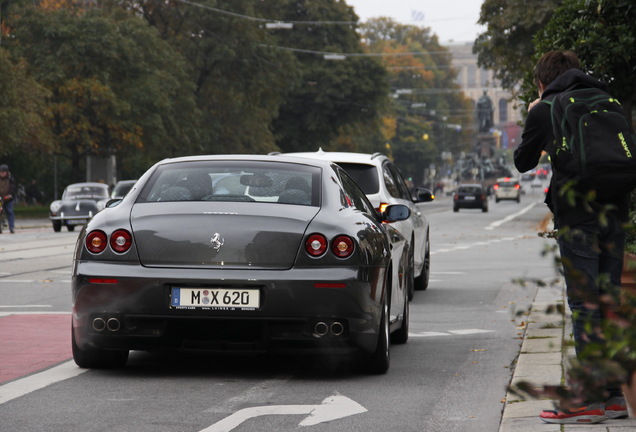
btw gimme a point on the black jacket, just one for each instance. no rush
(538, 137)
(8, 186)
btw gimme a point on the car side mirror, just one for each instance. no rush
(423, 195)
(396, 212)
(112, 202)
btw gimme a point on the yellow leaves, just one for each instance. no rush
(87, 112)
(389, 127)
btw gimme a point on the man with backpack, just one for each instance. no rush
(592, 153)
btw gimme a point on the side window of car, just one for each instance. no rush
(390, 183)
(355, 196)
(400, 183)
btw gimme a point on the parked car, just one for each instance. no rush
(470, 196)
(383, 184)
(77, 206)
(286, 254)
(119, 191)
(507, 188)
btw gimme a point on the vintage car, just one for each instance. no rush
(77, 206)
(241, 253)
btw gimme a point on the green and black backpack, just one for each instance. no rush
(594, 143)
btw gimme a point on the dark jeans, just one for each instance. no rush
(7, 208)
(592, 265)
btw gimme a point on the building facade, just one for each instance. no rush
(476, 82)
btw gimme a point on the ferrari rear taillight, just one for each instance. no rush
(316, 245)
(342, 246)
(96, 241)
(120, 241)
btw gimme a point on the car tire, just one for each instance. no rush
(94, 358)
(484, 209)
(496, 200)
(401, 336)
(378, 362)
(57, 226)
(70, 227)
(455, 209)
(421, 282)
(410, 278)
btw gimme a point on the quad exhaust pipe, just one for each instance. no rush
(335, 328)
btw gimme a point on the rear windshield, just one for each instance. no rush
(507, 185)
(470, 189)
(247, 181)
(366, 176)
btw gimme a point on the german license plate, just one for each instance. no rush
(76, 221)
(215, 298)
(468, 198)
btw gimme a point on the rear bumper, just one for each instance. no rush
(295, 314)
(469, 204)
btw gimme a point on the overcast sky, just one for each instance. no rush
(451, 20)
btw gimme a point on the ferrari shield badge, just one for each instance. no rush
(217, 241)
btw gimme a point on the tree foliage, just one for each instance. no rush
(22, 111)
(603, 35)
(600, 32)
(427, 110)
(507, 44)
(112, 85)
(158, 78)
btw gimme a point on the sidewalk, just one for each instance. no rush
(541, 362)
(29, 223)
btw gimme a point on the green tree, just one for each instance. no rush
(114, 86)
(22, 110)
(507, 44)
(240, 78)
(427, 108)
(332, 100)
(603, 35)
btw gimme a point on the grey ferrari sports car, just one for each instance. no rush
(240, 253)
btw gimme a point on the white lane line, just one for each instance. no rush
(24, 306)
(8, 281)
(24, 386)
(508, 218)
(450, 333)
(40, 312)
(480, 243)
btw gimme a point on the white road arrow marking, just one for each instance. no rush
(332, 408)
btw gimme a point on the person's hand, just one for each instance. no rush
(533, 103)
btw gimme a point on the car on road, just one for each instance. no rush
(241, 253)
(119, 191)
(382, 182)
(77, 206)
(470, 196)
(507, 188)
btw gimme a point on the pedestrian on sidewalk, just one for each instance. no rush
(7, 194)
(590, 233)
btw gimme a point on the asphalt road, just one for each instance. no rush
(450, 376)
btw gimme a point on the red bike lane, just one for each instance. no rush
(33, 342)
